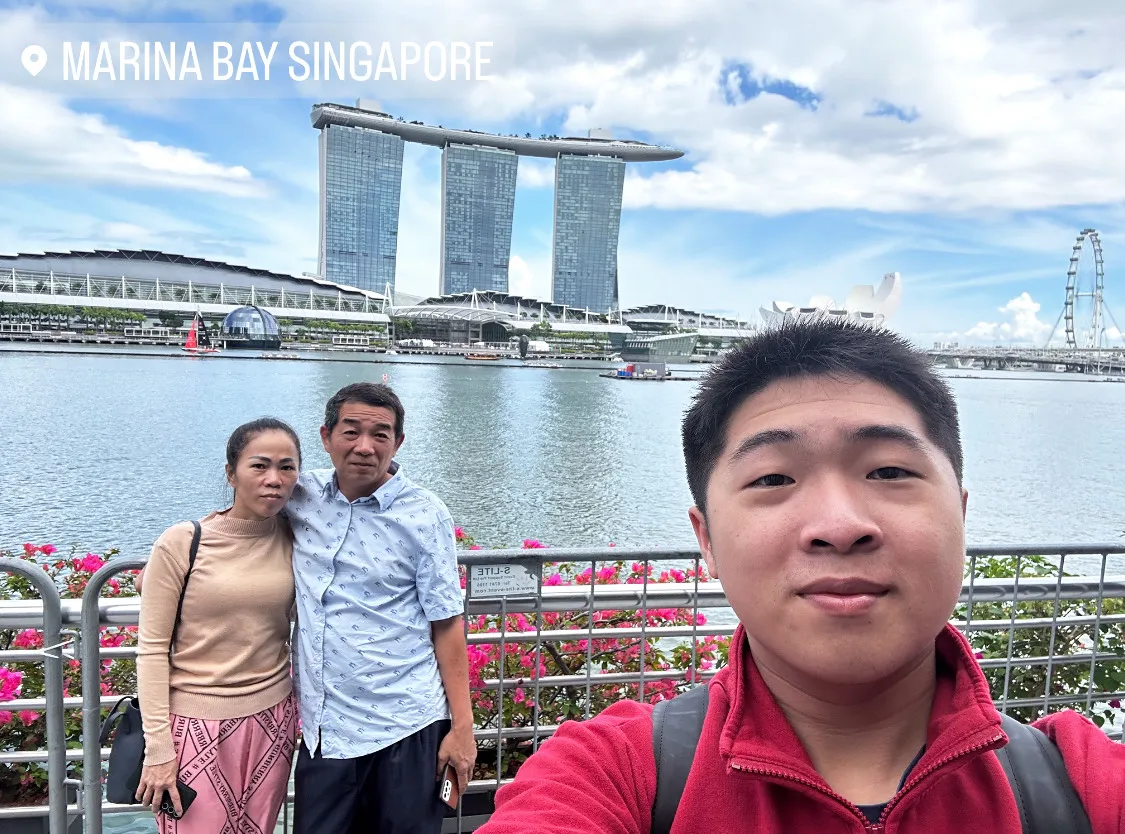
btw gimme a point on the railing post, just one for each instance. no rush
(53, 686)
(92, 689)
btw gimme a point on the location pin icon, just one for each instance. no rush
(34, 59)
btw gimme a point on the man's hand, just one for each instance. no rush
(155, 779)
(458, 748)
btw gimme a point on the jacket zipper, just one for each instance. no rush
(777, 774)
(938, 765)
(868, 827)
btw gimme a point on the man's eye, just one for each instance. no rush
(890, 473)
(773, 481)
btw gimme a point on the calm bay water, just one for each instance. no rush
(106, 451)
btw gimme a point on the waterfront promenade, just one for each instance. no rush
(569, 631)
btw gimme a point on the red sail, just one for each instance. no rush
(191, 342)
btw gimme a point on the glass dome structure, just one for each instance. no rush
(250, 327)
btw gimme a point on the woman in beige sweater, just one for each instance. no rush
(219, 714)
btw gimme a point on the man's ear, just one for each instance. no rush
(703, 536)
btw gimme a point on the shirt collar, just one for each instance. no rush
(384, 496)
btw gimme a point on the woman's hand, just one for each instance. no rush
(155, 779)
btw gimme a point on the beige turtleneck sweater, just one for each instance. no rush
(231, 656)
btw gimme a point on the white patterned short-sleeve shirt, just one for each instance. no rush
(371, 576)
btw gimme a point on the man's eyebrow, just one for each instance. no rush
(770, 437)
(896, 434)
(355, 421)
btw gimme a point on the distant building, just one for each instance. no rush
(478, 197)
(864, 303)
(361, 152)
(664, 333)
(252, 328)
(360, 185)
(587, 223)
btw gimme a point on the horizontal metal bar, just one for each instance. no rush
(1059, 700)
(107, 701)
(1055, 660)
(569, 598)
(564, 635)
(72, 755)
(1005, 623)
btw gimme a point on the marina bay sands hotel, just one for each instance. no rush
(361, 181)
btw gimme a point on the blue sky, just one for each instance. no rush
(827, 143)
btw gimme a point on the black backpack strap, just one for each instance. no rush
(192, 553)
(676, 726)
(1035, 769)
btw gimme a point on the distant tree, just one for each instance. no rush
(541, 328)
(169, 319)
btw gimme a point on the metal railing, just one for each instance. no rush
(1079, 621)
(50, 618)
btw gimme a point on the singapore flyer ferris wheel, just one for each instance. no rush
(1086, 314)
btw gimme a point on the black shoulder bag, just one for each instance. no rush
(1047, 801)
(127, 755)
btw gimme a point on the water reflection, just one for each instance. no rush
(101, 451)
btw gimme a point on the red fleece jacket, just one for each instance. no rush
(751, 773)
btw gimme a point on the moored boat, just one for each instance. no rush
(198, 341)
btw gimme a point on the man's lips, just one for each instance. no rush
(845, 586)
(844, 596)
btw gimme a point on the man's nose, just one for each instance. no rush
(839, 519)
(364, 446)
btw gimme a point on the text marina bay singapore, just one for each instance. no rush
(361, 152)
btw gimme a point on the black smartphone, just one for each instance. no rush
(187, 795)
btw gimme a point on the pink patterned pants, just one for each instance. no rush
(239, 769)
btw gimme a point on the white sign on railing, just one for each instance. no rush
(511, 580)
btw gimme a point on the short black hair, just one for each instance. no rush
(814, 346)
(240, 438)
(368, 393)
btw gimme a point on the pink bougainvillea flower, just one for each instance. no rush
(5, 717)
(475, 547)
(89, 563)
(48, 549)
(459, 532)
(29, 550)
(532, 544)
(1115, 704)
(28, 639)
(28, 717)
(10, 683)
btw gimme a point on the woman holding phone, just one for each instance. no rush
(215, 690)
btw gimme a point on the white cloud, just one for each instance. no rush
(533, 172)
(1023, 324)
(43, 140)
(529, 279)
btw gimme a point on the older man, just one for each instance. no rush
(381, 662)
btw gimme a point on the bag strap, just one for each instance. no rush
(111, 720)
(1045, 796)
(183, 590)
(676, 727)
